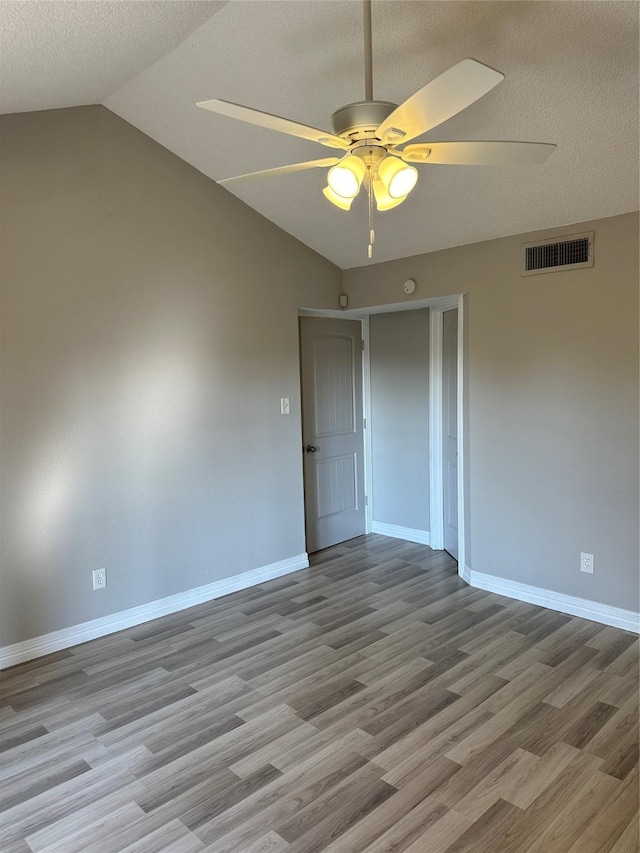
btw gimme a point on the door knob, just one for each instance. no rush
(310, 448)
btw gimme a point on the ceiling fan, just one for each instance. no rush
(370, 134)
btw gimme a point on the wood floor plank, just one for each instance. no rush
(172, 837)
(600, 836)
(371, 703)
(26, 786)
(268, 843)
(508, 776)
(374, 825)
(617, 740)
(572, 687)
(353, 741)
(440, 733)
(115, 826)
(49, 820)
(565, 827)
(317, 824)
(626, 664)
(549, 807)
(629, 841)
(484, 834)
(440, 835)
(402, 831)
(244, 822)
(542, 773)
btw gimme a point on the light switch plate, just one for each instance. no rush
(285, 407)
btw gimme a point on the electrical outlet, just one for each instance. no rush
(586, 563)
(99, 578)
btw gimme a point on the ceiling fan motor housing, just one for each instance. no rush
(359, 121)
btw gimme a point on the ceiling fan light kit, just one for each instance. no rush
(383, 200)
(397, 178)
(339, 200)
(392, 179)
(370, 131)
(346, 177)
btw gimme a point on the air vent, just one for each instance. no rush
(569, 254)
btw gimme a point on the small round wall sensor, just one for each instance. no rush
(409, 286)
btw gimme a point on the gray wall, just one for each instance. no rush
(400, 418)
(552, 366)
(149, 329)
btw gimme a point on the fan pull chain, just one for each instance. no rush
(372, 233)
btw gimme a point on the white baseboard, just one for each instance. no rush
(465, 573)
(72, 636)
(408, 533)
(629, 620)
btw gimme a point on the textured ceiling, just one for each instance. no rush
(571, 78)
(65, 54)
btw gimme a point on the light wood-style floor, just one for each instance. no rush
(374, 703)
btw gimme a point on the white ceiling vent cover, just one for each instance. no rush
(569, 253)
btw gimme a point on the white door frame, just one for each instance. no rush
(436, 468)
(437, 307)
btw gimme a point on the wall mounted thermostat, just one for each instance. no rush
(409, 286)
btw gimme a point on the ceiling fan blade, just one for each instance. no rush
(285, 170)
(283, 125)
(478, 153)
(447, 95)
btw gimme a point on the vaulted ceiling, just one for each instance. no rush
(571, 73)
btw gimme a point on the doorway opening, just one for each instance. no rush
(446, 437)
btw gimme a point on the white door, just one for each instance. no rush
(332, 430)
(450, 429)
